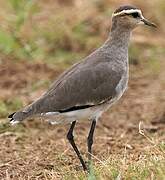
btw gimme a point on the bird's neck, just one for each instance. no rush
(119, 37)
(117, 44)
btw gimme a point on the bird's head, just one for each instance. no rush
(129, 17)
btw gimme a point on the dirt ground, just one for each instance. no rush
(34, 149)
(38, 40)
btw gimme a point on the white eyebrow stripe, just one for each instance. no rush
(128, 11)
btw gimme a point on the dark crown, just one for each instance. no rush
(126, 7)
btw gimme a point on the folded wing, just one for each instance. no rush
(82, 87)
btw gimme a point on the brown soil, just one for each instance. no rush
(34, 147)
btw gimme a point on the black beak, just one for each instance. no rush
(146, 22)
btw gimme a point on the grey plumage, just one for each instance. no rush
(91, 82)
(99, 78)
(91, 86)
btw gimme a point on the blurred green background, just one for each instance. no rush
(62, 31)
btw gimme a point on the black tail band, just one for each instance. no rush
(11, 115)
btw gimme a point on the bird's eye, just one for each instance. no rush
(135, 14)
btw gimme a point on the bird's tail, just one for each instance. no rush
(21, 115)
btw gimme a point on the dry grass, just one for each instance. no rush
(38, 40)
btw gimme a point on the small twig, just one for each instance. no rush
(141, 131)
(105, 165)
(155, 145)
(98, 160)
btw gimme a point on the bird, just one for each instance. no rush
(91, 86)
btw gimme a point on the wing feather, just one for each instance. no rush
(83, 86)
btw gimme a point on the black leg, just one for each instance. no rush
(90, 140)
(70, 137)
